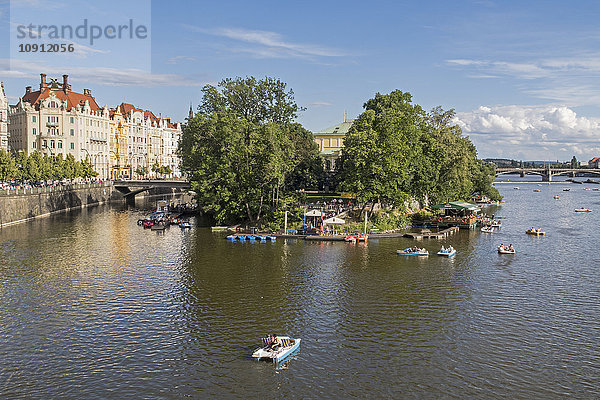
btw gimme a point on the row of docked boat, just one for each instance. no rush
(356, 238)
(239, 237)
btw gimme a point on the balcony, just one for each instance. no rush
(52, 124)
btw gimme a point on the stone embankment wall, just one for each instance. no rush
(21, 205)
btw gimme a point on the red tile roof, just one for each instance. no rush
(72, 98)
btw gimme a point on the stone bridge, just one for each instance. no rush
(130, 188)
(547, 173)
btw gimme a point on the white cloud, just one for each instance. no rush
(270, 44)
(177, 59)
(531, 132)
(98, 75)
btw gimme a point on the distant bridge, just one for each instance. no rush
(547, 173)
(133, 187)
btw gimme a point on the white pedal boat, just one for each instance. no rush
(505, 250)
(410, 252)
(487, 229)
(447, 253)
(279, 353)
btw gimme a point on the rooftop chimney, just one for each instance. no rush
(87, 92)
(66, 86)
(27, 89)
(43, 84)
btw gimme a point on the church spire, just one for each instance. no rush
(191, 113)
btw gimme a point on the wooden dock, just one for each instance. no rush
(433, 235)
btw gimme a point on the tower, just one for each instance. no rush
(3, 119)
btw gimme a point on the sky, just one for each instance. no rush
(522, 76)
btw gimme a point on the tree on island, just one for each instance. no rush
(243, 152)
(395, 151)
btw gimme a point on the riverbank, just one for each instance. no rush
(26, 204)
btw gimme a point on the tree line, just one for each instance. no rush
(35, 167)
(248, 159)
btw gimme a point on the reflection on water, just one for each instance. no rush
(92, 305)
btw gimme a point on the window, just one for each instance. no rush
(72, 132)
(72, 119)
(45, 144)
(72, 146)
(60, 144)
(34, 145)
(52, 144)
(33, 118)
(34, 132)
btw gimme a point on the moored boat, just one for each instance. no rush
(556, 197)
(413, 251)
(277, 353)
(583, 210)
(487, 229)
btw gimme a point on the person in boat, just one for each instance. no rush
(501, 246)
(443, 249)
(511, 248)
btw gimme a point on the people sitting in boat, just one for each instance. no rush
(443, 249)
(511, 248)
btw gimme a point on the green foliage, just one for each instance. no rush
(8, 166)
(386, 220)
(141, 171)
(36, 167)
(241, 149)
(396, 151)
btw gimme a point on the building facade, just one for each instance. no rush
(55, 120)
(151, 140)
(3, 119)
(119, 128)
(331, 142)
(117, 142)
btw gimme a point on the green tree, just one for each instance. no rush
(395, 151)
(141, 171)
(241, 147)
(380, 147)
(87, 169)
(156, 168)
(70, 167)
(33, 170)
(8, 166)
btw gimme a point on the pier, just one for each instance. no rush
(433, 235)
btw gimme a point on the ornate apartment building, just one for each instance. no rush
(150, 140)
(3, 119)
(55, 120)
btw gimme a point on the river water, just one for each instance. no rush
(93, 306)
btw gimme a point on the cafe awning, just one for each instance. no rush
(456, 205)
(334, 220)
(313, 213)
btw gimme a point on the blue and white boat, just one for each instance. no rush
(449, 252)
(409, 251)
(185, 224)
(279, 353)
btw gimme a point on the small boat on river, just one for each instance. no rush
(535, 232)
(276, 353)
(413, 251)
(496, 224)
(583, 210)
(487, 229)
(536, 190)
(505, 250)
(566, 190)
(449, 252)
(556, 197)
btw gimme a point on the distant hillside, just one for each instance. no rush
(504, 163)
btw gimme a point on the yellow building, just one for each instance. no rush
(119, 127)
(331, 142)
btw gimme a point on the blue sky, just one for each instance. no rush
(522, 76)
